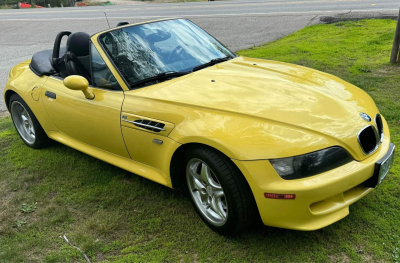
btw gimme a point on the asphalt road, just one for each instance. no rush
(238, 24)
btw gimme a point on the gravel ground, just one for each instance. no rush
(4, 114)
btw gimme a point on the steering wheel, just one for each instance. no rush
(124, 63)
(173, 53)
(110, 78)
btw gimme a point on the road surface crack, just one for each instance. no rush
(311, 20)
(343, 14)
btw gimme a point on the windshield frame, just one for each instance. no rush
(140, 24)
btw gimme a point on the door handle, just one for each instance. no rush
(50, 94)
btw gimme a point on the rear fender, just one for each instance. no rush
(28, 86)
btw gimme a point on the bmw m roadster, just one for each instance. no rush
(248, 139)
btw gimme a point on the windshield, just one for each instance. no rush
(144, 51)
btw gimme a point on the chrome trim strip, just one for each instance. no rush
(388, 155)
(382, 134)
(141, 125)
(376, 137)
(157, 141)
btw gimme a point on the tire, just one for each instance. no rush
(28, 127)
(229, 212)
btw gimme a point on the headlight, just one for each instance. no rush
(311, 164)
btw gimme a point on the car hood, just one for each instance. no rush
(274, 91)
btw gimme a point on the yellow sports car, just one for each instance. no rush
(248, 138)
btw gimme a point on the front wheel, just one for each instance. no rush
(219, 192)
(27, 125)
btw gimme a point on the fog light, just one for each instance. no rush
(279, 196)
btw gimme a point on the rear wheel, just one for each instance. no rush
(219, 192)
(27, 125)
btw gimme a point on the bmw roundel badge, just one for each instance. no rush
(365, 117)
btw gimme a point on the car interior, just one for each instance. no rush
(73, 59)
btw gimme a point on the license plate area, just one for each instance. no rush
(382, 168)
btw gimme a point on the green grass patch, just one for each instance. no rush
(116, 216)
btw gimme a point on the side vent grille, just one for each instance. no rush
(379, 126)
(150, 125)
(368, 139)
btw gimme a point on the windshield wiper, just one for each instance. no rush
(161, 76)
(212, 62)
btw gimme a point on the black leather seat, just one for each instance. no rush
(77, 57)
(41, 62)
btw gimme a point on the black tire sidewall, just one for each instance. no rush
(219, 165)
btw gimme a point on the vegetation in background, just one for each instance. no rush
(96, 3)
(116, 216)
(9, 4)
(174, 1)
(53, 3)
(6, 7)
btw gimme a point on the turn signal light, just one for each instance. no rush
(279, 196)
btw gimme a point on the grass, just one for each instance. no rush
(116, 216)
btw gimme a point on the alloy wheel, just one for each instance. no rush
(207, 192)
(23, 122)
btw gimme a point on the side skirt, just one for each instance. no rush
(130, 165)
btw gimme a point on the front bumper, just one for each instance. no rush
(320, 200)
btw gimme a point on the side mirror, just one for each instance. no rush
(76, 82)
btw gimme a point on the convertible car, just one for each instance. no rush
(248, 139)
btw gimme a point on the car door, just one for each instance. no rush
(94, 122)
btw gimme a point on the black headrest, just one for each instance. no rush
(78, 43)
